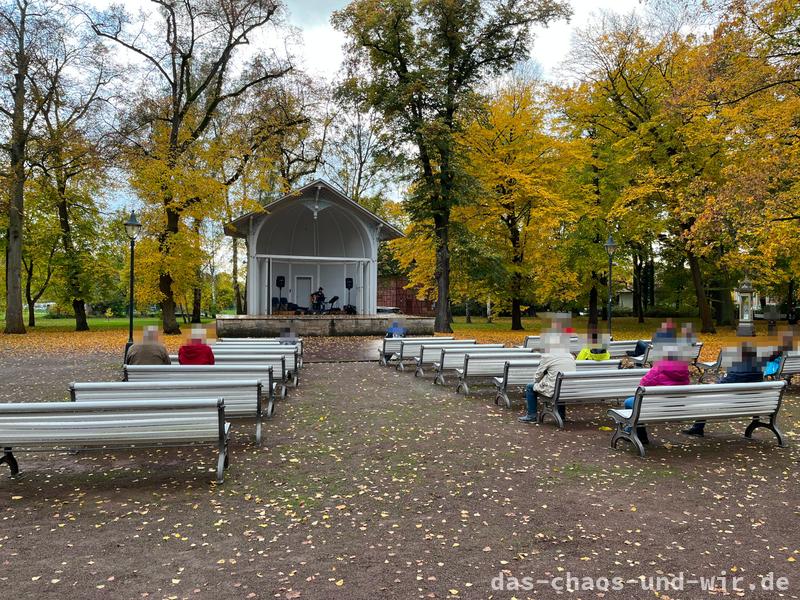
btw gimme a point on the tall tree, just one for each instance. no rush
(192, 67)
(425, 60)
(26, 32)
(521, 202)
(74, 150)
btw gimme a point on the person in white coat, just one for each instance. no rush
(555, 359)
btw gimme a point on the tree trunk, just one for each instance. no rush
(651, 280)
(168, 320)
(197, 300)
(516, 282)
(442, 274)
(237, 289)
(467, 315)
(707, 324)
(726, 310)
(79, 308)
(74, 270)
(16, 180)
(28, 296)
(791, 312)
(593, 302)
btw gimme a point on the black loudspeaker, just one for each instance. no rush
(348, 283)
(280, 281)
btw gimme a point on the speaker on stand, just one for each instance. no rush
(349, 308)
(280, 282)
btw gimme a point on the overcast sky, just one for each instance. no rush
(320, 49)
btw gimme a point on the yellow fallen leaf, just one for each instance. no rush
(340, 583)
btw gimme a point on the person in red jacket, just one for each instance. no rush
(196, 351)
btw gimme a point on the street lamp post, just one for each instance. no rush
(610, 247)
(132, 228)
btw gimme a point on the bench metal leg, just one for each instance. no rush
(632, 437)
(9, 459)
(462, 385)
(222, 462)
(547, 407)
(270, 410)
(283, 390)
(400, 366)
(439, 379)
(381, 359)
(419, 372)
(772, 426)
(502, 395)
(258, 431)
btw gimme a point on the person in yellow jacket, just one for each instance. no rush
(596, 349)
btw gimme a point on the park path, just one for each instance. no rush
(377, 484)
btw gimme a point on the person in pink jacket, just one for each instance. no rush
(671, 370)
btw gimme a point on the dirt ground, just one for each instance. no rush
(376, 484)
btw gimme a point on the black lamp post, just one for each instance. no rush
(132, 228)
(610, 247)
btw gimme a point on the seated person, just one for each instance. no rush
(395, 331)
(665, 333)
(318, 299)
(150, 351)
(555, 359)
(196, 351)
(595, 349)
(747, 369)
(673, 369)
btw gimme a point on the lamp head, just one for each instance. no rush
(132, 226)
(610, 246)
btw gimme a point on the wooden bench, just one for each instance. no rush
(588, 387)
(391, 346)
(709, 367)
(709, 402)
(262, 372)
(451, 359)
(276, 362)
(486, 366)
(258, 343)
(519, 373)
(243, 398)
(49, 426)
(790, 366)
(651, 355)
(430, 353)
(410, 349)
(289, 351)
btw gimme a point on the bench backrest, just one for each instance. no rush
(790, 364)
(392, 345)
(619, 348)
(242, 397)
(410, 348)
(522, 372)
(653, 354)
(257, 343)
(279, 362)
(292, 353)
(453, 358)
(430, 353)
(709, 401)
(595, 385)
(491, 364)
(537, 345)
(69, 424)
(261, 371)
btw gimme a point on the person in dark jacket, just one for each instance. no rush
(196, 351)
(748, 369)
(150, 351)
